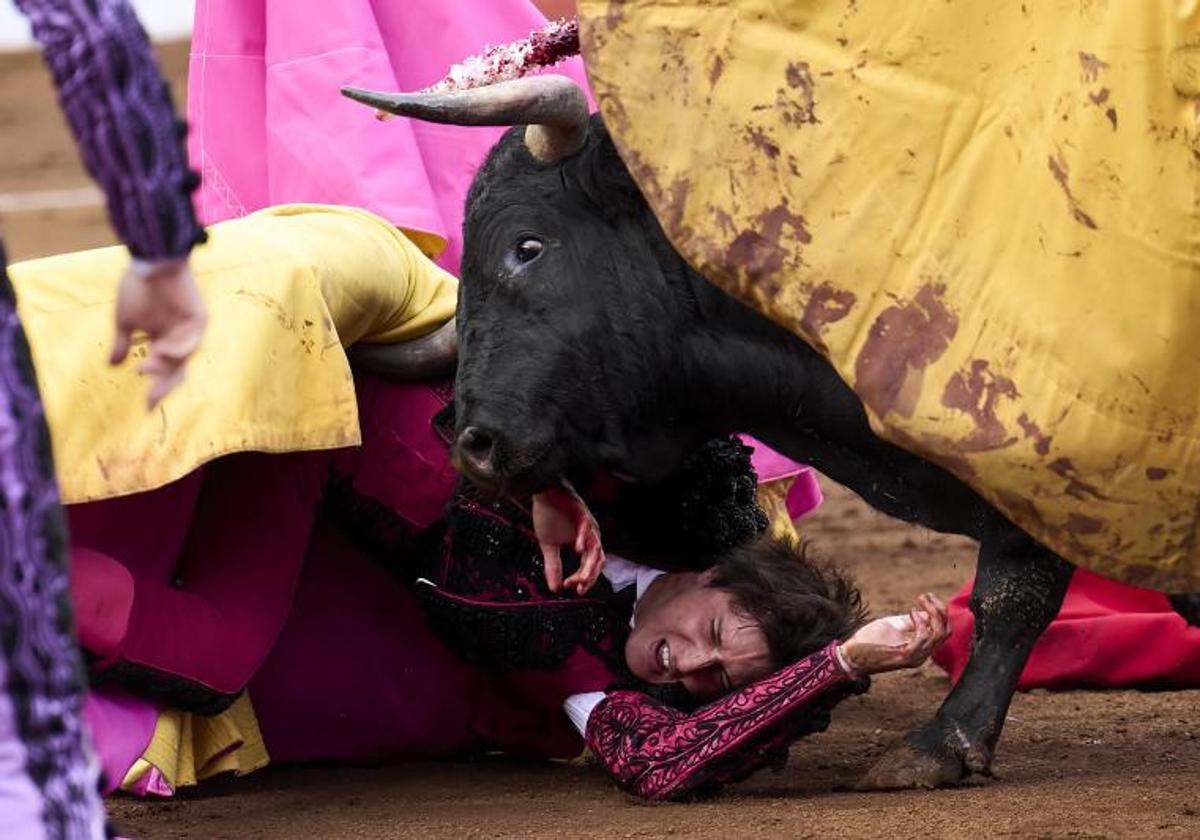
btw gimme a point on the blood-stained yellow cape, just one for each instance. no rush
(985, 214)
(287, 289)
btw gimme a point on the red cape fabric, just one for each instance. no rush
(1107, 635)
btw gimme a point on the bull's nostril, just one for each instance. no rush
(477, 446)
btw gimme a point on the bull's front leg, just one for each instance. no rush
(1019, 587)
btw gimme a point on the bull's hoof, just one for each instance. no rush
(905, 766)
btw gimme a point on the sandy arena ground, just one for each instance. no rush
(1077, 765)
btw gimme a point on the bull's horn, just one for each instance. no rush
(430, 357)
(553, 109)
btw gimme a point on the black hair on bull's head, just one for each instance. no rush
(570, 317)
(584, 338)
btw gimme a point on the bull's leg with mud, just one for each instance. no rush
(1019, 587)
(1019, 584)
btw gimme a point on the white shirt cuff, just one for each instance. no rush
(579, 708)
(846, 665)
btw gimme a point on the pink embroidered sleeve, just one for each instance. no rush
(662, 753)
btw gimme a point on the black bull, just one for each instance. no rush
(586, 340)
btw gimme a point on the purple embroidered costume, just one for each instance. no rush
(120, 111)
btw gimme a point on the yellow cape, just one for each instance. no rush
(986, 215)
(188, 748)
(287, 289)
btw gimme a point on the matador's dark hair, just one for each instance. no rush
(800, 604)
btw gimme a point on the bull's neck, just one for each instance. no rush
(744, 372)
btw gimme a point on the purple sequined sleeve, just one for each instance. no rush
(120, 110)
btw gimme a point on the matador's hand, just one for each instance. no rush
(561, 517)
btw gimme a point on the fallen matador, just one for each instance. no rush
(247, 581)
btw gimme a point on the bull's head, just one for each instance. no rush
(574, 310)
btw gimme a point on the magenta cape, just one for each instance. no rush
(269, 126)
(1107, 635)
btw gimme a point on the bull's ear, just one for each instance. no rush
(432, 357)
(602, 176)
(553, 109)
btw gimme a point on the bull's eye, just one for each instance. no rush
(528, 250)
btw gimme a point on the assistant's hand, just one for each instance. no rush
(898, 641)
(561, 517)
(160, 299)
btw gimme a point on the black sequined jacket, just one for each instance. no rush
(479, 571)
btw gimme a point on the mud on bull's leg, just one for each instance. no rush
(1019, 587)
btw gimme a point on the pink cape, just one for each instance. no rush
(240, 583)
(269, 125)
(1107, 635)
